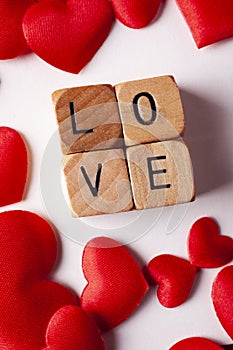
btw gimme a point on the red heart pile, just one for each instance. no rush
(68, 33)
(28, 301)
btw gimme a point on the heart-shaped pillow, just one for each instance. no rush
(12, 41)
(222, 296)
(209, 21)
(206, 248)
(116, 284)
(67, 34)
(13, 166)
(196, 343)
(28, 300)
(135, 13)
(72, 329)
(174, 276)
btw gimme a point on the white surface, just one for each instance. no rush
(205, 79)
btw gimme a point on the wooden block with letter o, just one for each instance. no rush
(150, 109)
(98, 182)
(160, 174)
(88, 118)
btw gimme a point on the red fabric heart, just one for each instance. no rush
(115, 286)
(206, 248)
(67, 34)
(72, 329)
(175, 278)
(209, 21)
(28, 301)
(12, 41)
(196, 343)
(135, 13)
(222, 296)
(13, 166)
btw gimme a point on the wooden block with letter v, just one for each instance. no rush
(160, 174)
(88, 118)
(98, 182)
(150, 109)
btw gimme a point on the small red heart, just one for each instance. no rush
(135, 13)
(209, 21)
(196, 343)
(67, 34)
(222, 296)
(28, 300)
(12, 41)
(13, 166)
(72, 329)
(116, 284)
(175, 277)
(206, 248)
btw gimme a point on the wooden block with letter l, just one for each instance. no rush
(160, 174)
(150, 109)
(98, 182)
(88, 118)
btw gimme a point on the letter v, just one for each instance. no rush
(94, 190)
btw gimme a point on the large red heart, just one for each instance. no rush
(12, 41)
(210, 21)
(72, 329)
(28, 300)
(196, 343)
(13, 166)
(135, 13)
(222, 296)
(116, 284)
(206, 248)
(67, 34)
(175, 278)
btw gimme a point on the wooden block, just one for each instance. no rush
(150, 109)
(88, 118)
(98, 182)
(160, 174)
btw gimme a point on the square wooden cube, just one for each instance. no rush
(150, 109)
(160, 174)
(98, 182)
(88, 118)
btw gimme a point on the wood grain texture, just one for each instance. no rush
(160, 174)
(111, 195)
(164, 93)
(96, 122)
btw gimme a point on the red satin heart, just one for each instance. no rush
(175, 278)
(67, 34)
(222, 296)
(206, 248)
(209, 21)
(13, 166)
(72, 329)
(116, 284)
(196, 343)
(28, 301)
(12, 41)
(135, 13)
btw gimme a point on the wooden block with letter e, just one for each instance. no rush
(160, 174)
(150, 109)
(98, 182)
(88, 118)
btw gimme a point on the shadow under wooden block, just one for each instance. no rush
(160, 174)
(98, 182)
(150, 109)
(88, 118)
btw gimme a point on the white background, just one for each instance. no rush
(205, 79)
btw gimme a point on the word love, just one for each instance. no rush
(120, 152)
